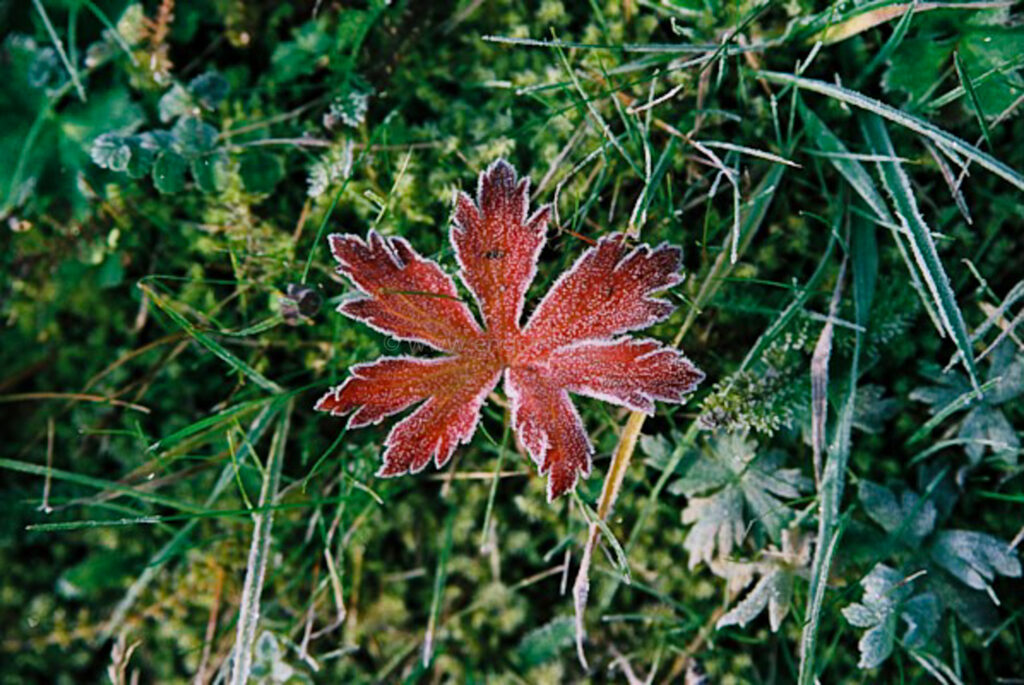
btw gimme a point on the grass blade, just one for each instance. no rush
(209, 343)
(259, 551)
(157, 561)
(916, 124)
(921, 243)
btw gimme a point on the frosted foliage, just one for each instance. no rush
(907, 515)
(774, 591)
(497, 246)
(733, 488)
(497, 243)
(407, 296)
(628, 372)
(886, 603)
(975, 559)
(985, 426)
(606, 292)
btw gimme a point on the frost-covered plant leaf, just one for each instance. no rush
(975, 559)
(730, 485)
(908, 515)
(111, 151)
(334, 165)
(985, 426)
(174, 103)
(269, 665)
(350, 108)
(774, 590)
(569, 343)
(886, 602)
(872, 409)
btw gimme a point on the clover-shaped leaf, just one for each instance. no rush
(908, 515)
(973, 558)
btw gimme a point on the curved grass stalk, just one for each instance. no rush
(623, 456)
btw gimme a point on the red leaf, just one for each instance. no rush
(567, 346)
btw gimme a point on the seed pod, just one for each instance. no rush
(307, 299)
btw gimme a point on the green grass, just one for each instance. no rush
(851, 217)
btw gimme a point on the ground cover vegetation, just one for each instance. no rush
(840, 497)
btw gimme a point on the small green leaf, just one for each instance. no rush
(209, 88)
(195, 136)
(142, 158)
(210, 171)
(260, 171)
(169, 172)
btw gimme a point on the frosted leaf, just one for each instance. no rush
(174, 103)
(566, 347)
(986, 427)
(1008, 367)
(111, 151)
(907, 514)
(333, 166)
(731, 485)
(975, 559)
(774, 590)
(350, 109)
(871, 409)
(886, 601)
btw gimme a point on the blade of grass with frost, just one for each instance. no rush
(830, 492)
(101, 484)
(440, 578)
(639, 217)
(259, 551)
(923, 246)
(950, 179)
(916, 124)
(819, 376)
(972, 96)
(59, 47)
(156, 563)
(209, 343)
(671, 48)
